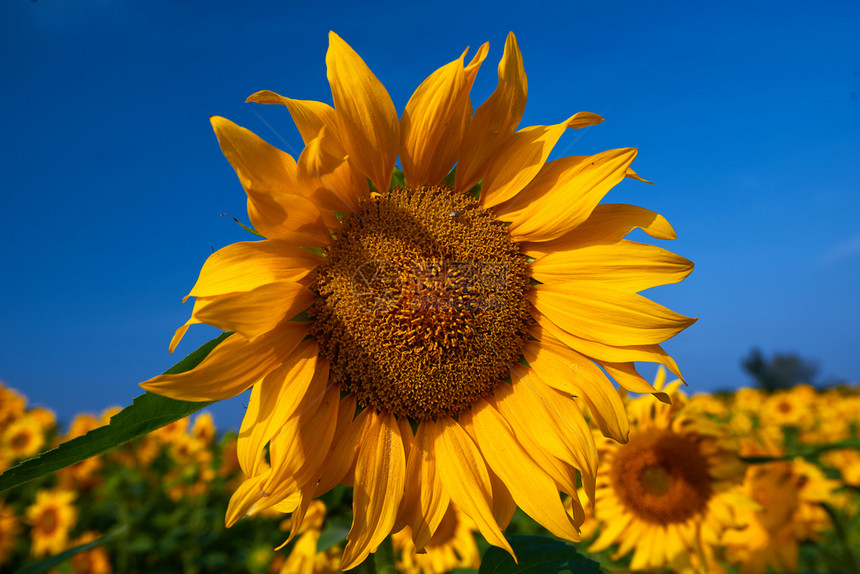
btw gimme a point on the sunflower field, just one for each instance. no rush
(440, 328)
(777, 493)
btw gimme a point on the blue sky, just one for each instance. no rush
(746, 116)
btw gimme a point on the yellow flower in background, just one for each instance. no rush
(413, 304)
(204, 428)
(23, 437)
(788, 409)
(51, 517)
(94, 561)
(671, 491)
(748, 400)
(790, 494)
(10, 527)
(82, 475)
(452, 546)
(304, 557)
(12, 405)
(46, 418)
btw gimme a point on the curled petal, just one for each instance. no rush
(269, 178)
(232, 367)
(522, 156)
(563, 194)
(380, 474)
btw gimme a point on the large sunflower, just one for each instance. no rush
(382, 321)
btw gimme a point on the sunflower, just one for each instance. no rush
(23, 438)
(12, 405)
(304, 557)
(790, 495)
(452, 546)
(10, 527)
(51, 517)
(669, 493)
(94, 561)
(430, 322)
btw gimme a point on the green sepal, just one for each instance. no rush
(475, 192)
(243, 226)
(397, 178)
(146, 413)
(536, 555)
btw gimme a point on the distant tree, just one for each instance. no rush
(782, 371)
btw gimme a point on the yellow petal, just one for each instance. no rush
(495, 120)
(627, 376)
(624, 265)
(608, 316)
(563, 475)
(504, 506)
(256, 312)
(232, 367)
(464, 476)
(366, 118)
(429, 501)
(521, 157)
(563, 194)
(243, 498)
(241, 267)
(297, 453)
(530, 486)
(569, 372)
(273, 401)
(608, 222)
(601, 351)
(344, 445)
(552, 420)
(380, 474)
(269, 177)
(299, 448)
(432, 124)
(633, 175)
(309, 116)
(324, 171)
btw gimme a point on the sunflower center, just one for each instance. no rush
(421, 303)
(49, 521)
(661, 477)
(20, 440)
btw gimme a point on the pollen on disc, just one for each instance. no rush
(422, 302)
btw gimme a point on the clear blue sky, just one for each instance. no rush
(746, 116)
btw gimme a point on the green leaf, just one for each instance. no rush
(449, 179)
(147, 413)
(58, 559)
(332, 535)
(537, 555)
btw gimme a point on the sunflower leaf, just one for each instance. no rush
(58, 559)
(536, 554)
(147, 413)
